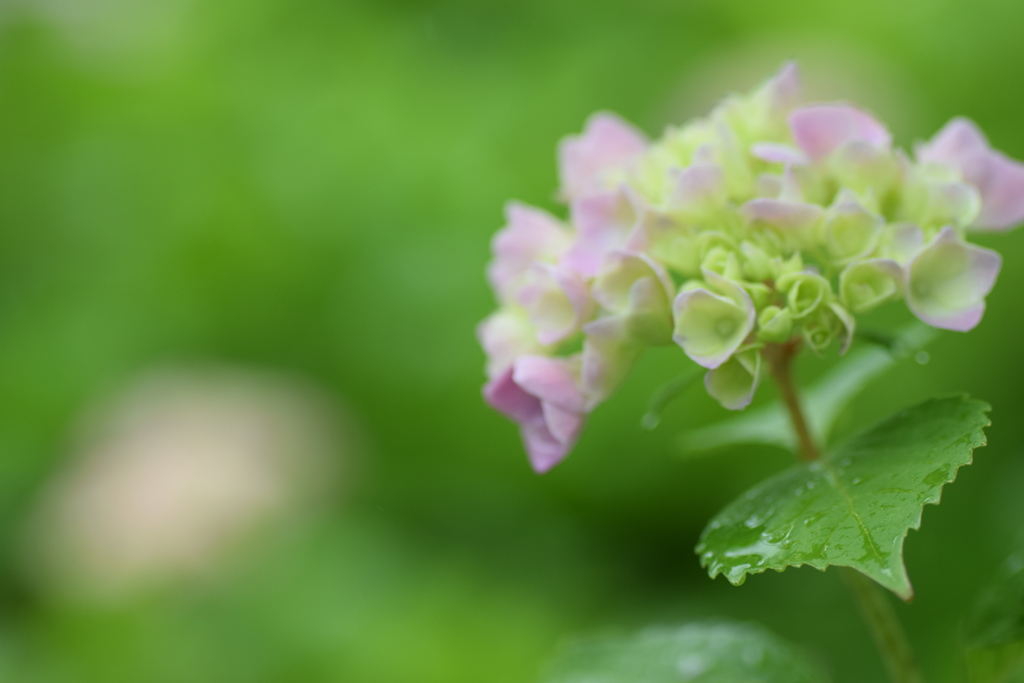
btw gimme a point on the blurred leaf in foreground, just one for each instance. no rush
(718, 652)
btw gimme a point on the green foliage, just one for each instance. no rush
(994, 632)
(825, 399)
(274, 184)
(717, 652)
(854, 506)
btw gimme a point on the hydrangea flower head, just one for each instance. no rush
(769, 222)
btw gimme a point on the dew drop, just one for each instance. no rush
(753, 522)
(922, 358)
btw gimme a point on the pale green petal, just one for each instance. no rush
(734, 382)
(863, 167)
(825, 325)
(948, 280)
(935, 196)
(636, 288)
(864, 285)
(805, 292)
(608, 355)
(723, 262)
(710, 327)
(774, 324)
(849, 232)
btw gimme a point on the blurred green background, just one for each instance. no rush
(308, 188)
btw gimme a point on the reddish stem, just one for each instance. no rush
(780, 364)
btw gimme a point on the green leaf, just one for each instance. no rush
(717, 652)
(825, 400)
(855, 505)
(994, 631)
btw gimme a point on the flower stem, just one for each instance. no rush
(780, 364)
(872, 602)
(887, 632)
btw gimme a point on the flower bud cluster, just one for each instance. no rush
(768, 222)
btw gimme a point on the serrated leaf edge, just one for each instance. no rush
(908, 594)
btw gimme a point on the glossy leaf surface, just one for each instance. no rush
(853, 506)
(718, 652)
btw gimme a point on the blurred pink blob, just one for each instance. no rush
(173, 475)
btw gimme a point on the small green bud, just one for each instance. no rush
(866, 284)
(805, 292)
(757, 265)
(760, 294)
(691, 285)
(709, 240)
(723, 262)
(774, 324)
(825, 325)
(794, 264)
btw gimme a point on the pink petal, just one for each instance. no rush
(508, 398)
(549, 430)
(608, 355)
(957, 143)
(784, 89)
(542, 448)
(962, 320)
(777, 153)
(782, 213)
(607, 141)
(1002, 194)
(557, 301)
(819, 130)
(697, 185)
(999, 179)
(549, 379)
(605, 222)
(564, 425)
(530, 234)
